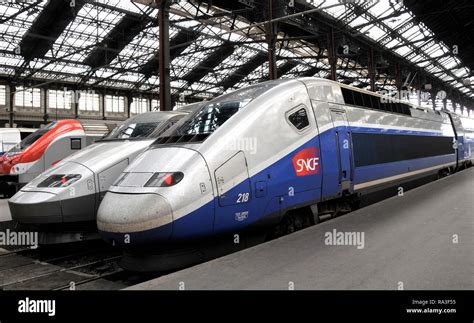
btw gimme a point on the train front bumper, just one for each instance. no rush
(30, 207)
(35, 207)
(129, 219)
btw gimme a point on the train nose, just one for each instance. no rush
(63, 194)
(127, 218)
(47, 207)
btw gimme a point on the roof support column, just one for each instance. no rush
(164, 57)
(455, 105)
(398, 78)
(11, 103)
(44, 102)
(332, 55)
(419, 86)
(75, 102)
(371, 66)
(272, 72)
(102, 104)
(128, 106)
(433, 98)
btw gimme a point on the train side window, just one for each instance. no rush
(298, 118)
(399, 108)
(406, 109)
(76, 144)
(403, 108)
(390, 107)
(348, 96)
(358, 99)
(367, 101)
(382, 105)
(376, 103)
(394, 107)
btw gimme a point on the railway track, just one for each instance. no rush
(84, 265)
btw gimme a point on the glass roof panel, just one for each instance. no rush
(96, 19)
(12, 30)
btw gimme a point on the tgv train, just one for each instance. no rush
(249, 158)
(9, 137)
(62, 202)
(44, 148)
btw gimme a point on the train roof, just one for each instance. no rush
(4, 130)
(190, 108)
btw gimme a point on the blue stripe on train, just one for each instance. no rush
(232, 218)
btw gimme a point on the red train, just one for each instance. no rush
(44, 148)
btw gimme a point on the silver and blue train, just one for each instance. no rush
(249, 158)
(62, 202)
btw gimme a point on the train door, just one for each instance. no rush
(343, 148)
(234, 193)
(458, 137)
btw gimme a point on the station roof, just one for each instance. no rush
(218, 46)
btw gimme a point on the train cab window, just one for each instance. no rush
(299, 118)
(76, 144)
(32, 138)
(215, 113)
(24, 134)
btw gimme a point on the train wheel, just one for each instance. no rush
(293, 221)
(443, 173)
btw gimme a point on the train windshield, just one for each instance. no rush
(139, 127)
(215, 113)
(31, 138)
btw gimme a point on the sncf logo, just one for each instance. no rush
(306, 162)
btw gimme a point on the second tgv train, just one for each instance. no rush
(62, 202)
(249, 158)
(44, 148)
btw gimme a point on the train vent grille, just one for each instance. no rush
(95, 129)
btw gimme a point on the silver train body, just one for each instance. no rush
(67, 212)
(292, 143)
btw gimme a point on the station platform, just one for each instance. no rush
(422, 240)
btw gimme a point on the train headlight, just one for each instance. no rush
(60, 180)
(164, 179)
